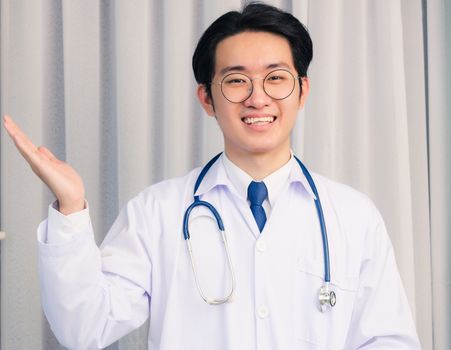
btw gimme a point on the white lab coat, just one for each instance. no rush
(93, 297)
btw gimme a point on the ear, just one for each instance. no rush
(305, 91)
(205, 100)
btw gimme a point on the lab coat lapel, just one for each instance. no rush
(244, 211)
(299, 184)
(217, 188)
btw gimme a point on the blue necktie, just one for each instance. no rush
(257, 193)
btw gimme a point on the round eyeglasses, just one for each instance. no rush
(277, 84)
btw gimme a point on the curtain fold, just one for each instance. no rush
(108, 86)
(438, 21)
(415, 86)
(22, 195)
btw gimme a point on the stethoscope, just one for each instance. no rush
(326, 296)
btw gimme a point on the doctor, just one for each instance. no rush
(251, 67)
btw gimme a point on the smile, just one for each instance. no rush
(258, 120)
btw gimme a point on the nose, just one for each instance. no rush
(258, 98)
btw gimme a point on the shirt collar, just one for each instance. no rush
(239, 178)
(225, 173)
(274, 182)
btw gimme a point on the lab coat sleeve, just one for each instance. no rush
(381, 318)
(90, 296)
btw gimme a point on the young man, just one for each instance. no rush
(260, 289)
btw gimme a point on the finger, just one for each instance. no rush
(21, 140)
(48, 154)
(13, 129)
(10, 125)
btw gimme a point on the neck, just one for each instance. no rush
(259, 165)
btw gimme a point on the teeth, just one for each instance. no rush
(261, 120)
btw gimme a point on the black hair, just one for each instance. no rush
(254, 17)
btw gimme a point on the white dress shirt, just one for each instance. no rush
(273, 182)
(93, 296)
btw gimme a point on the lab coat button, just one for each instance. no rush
(262, 311)
(261, 246)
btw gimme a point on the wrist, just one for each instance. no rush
(70, 208)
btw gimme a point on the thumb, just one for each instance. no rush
(48, 154)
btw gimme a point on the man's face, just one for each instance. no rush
(260, 124)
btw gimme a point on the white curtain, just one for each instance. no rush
(439, 146)
(108, 86)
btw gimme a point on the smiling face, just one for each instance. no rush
(260, 125)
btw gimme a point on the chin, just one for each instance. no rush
(262, 149)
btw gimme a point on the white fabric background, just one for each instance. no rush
(108, 86)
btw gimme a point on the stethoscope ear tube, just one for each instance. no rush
(197, 202)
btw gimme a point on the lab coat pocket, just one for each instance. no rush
(316, 329)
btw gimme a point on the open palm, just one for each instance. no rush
(65, 183)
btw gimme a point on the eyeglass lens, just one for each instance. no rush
(238, 87)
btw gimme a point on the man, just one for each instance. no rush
(258, 290)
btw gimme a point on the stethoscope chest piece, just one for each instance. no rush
(326, 297)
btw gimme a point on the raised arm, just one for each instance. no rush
(90, 298)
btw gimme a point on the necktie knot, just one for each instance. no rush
(257, 193)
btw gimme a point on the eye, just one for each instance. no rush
(275, 78)
(235, 81)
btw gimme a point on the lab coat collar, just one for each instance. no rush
(274, 182)
(298, 176)
(217, 176)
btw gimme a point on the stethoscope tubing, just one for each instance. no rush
(322, 223)
(197, 202)
(326, 296)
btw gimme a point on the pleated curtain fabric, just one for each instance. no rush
(108, 86)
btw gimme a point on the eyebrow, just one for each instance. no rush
(242, 68)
